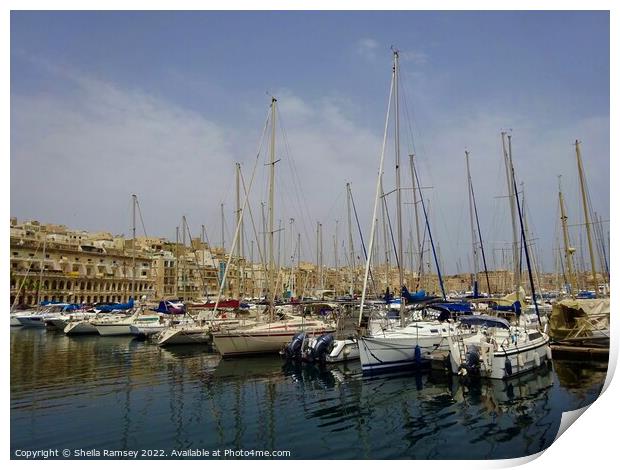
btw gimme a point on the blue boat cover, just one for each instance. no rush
(485, 320)
(457, 307)
(109, 307)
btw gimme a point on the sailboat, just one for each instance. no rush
(386, 344)
(495, 348)
(271, 334)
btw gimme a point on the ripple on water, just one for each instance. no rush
(95, 392)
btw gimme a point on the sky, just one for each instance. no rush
(162, 104)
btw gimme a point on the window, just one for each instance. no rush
(47, 256)
(15, 253)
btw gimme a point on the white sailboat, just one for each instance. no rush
(497, 349)
(267, 335)
(403, 344)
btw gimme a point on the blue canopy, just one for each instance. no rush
(515, 307)
(417, 297)
(456, 307)
(485, 320)
(109, 307)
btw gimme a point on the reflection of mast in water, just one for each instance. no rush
(525, 399)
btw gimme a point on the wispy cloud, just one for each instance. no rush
(367, 48)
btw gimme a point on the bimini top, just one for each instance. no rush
(485, 320)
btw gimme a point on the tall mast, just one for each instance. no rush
(525, 248)
(568, 250)
(239, 221)
(184, 268)
(378, 194)
(176, 264)
(263, 256)
(586, 214)
(223, 239)
(386, 242)
(513, 215)
(318, 260)
(272, 167)
(473, 230)
(41, 270)
(337, 277)
(133, 246)
(415, 211)
(292, 259)
(399, 220)
(351, 255)
(321, 256)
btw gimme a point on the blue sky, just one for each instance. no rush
(116, 102)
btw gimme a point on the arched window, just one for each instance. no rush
(53, 285)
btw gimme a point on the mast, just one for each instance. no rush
(223, 239)
(176, 264)
(586, 214)
(272, 175)
(239, 222)
(513, 215)
(337, 277)
(183, 258)
(568, 250)
(133, 246)
(292, 258)
(386, 243)
(41, 271)
(525, 248)
(318, 260)
(399, 220)
(321, 256)
(378, 193)
(351, 255)
(473, 230)
(415, 211)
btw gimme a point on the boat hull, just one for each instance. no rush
(82, 327)
(184, 336)
(382, 353)
(32, 322)
(252, 343)
(114, 329)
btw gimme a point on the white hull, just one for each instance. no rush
(32, 322)
(396, 347)
(82, 327)
(263, 340)
(114, 329)
(146, 330)
(191, 335)
(344, 350)
(503, 362)
(57, 323)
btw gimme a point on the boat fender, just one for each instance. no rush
(548, 353)
(508, 367)
(417, 354)
(520, 360)
(537, 359)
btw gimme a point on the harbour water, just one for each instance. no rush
(118, 394)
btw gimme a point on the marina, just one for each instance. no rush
(286, 262)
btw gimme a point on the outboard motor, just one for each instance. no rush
(322, 347)
(471, 365)
(294, 349)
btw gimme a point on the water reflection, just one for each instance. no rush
(117, 393)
